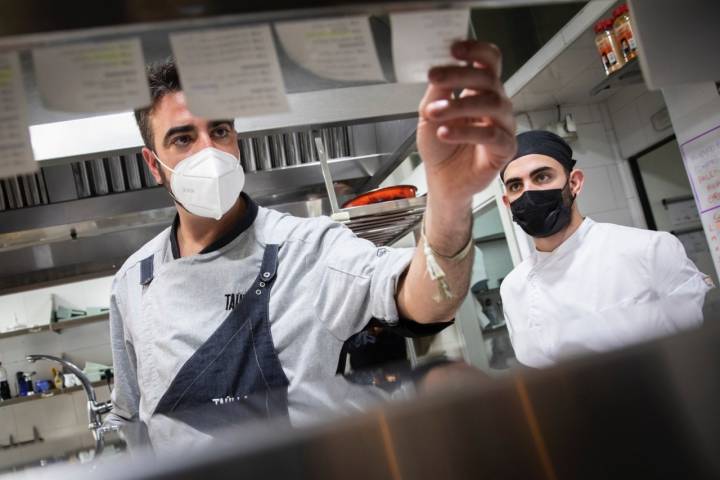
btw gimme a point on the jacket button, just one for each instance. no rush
(262, 284)
(258, 291)
(266, 275)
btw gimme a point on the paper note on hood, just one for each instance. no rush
(230, 72)
(16, 156)
(421, 40)
(92, 77)
(336, 48)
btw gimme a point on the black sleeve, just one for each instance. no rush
(413, 329)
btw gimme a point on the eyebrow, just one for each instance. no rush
(176, 130)
(191, 128)
(532, 174)
(216, 123)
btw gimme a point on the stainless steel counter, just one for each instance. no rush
(646, 412)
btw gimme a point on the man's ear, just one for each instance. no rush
(506, 200)
(153, 165)
(577, 180)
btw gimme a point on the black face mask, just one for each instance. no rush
(541, 213)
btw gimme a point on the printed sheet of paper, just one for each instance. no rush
(701, 156)
(421, 40)
(92, 77)
(16, 156)
(702, 161)
(336, 48)
(230, 72)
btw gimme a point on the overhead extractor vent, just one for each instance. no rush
(121, 173)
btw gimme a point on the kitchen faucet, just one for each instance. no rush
(95, 409)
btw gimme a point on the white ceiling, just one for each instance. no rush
(567, 79)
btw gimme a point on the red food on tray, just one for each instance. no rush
(386, 194)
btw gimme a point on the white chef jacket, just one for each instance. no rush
(605, 287)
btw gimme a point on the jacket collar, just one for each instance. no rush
(570, 244)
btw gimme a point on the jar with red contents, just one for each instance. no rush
(624, 33)
(608, 47)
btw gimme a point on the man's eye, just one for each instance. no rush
(514, 187)
(181, 140)
(221, 132)
(543, 177)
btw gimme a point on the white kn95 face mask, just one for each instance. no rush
(207, 183)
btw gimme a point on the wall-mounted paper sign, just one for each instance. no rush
(230, 72)
(421, 40)
(92, 77)
(15, 151)
(702, 162)
(336, 48)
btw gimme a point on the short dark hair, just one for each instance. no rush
(163, 79)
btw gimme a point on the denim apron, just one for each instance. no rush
(238, 362)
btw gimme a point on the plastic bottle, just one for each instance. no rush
(4, 385)
(57, 379)
(624, 32)
(607, 46)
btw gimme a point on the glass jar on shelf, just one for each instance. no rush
(622, 26)
(607, 46)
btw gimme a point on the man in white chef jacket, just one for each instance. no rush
(587, 287)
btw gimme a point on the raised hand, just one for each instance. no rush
(464, 141)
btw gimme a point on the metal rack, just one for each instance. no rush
(382, 223)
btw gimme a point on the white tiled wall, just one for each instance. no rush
(631, 109)
(61, 421)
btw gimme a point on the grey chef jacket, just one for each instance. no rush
(329, 284)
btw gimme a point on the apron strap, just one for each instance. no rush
(268, 269)
(146, 270)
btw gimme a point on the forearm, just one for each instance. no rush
(464, 141)
(448, 228)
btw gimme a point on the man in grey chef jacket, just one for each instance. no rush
(235, 300)
(586, 287)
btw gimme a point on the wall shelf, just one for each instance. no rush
(629, 74)
(52, 393)
(57, 327)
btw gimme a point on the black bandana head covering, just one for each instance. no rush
(541, 142)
